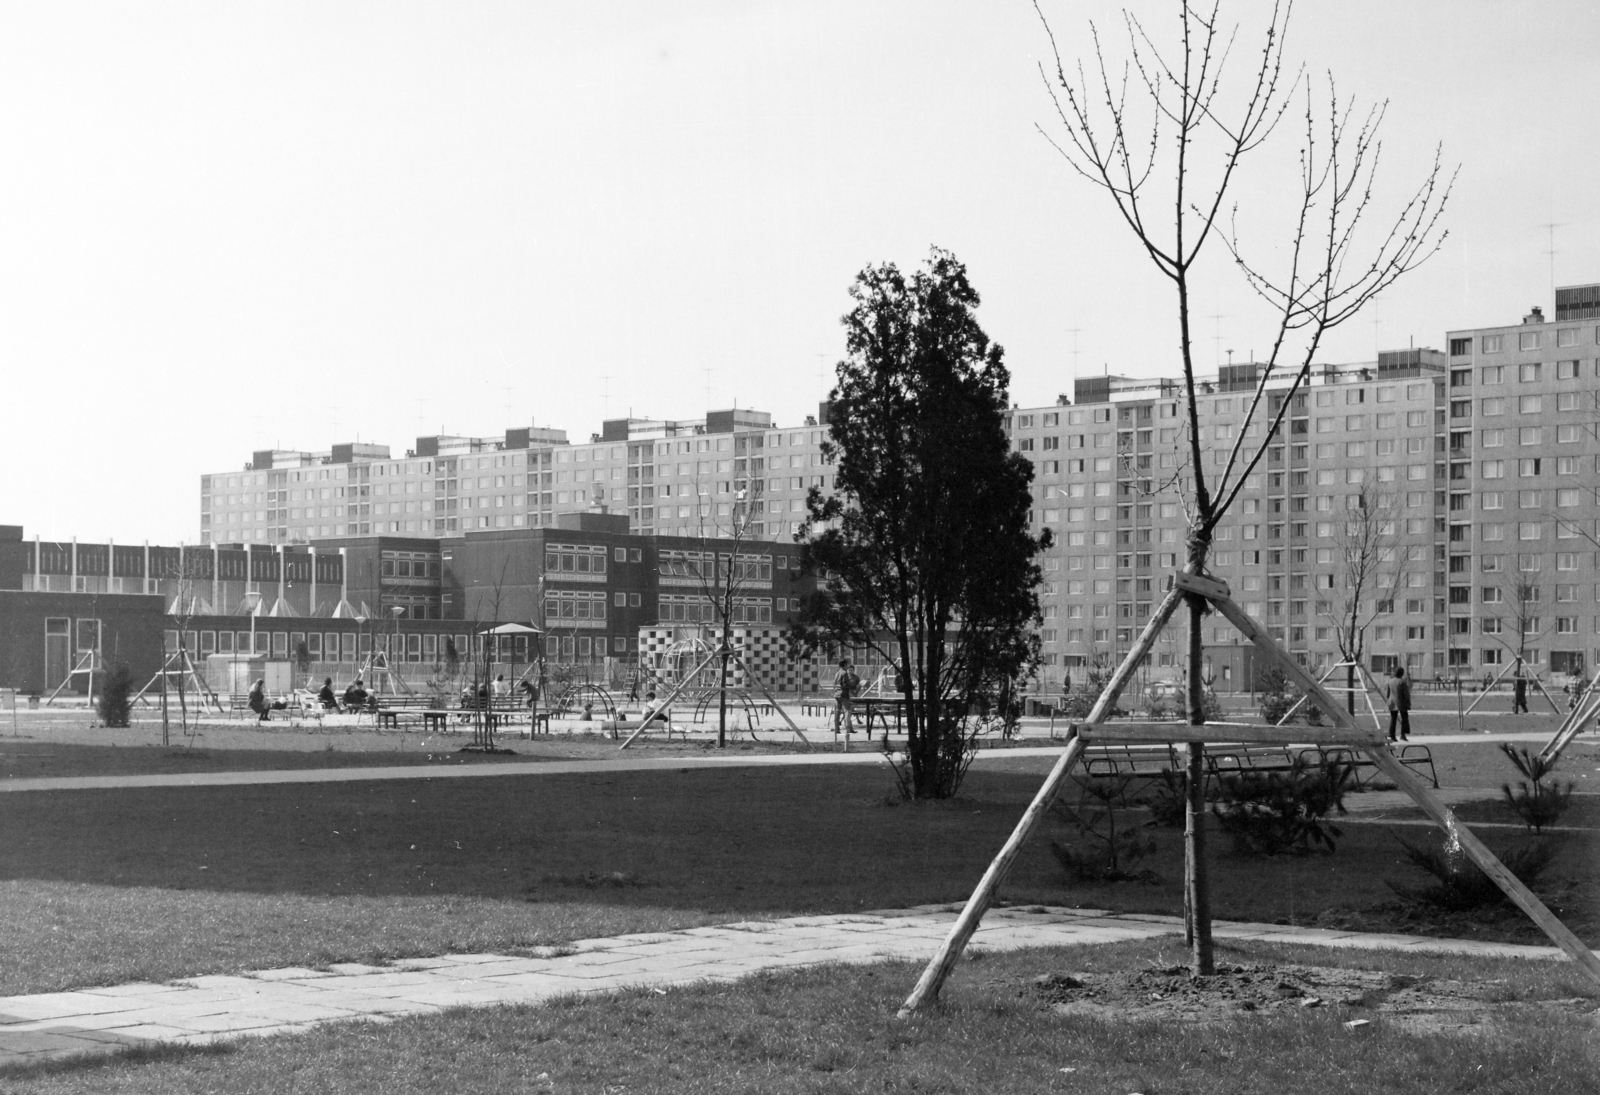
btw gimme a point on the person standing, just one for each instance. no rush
(846, 686)
(1398, 694)
(1519, 693)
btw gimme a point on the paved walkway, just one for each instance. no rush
(197, 1010)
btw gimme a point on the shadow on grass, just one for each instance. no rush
(128, 1056)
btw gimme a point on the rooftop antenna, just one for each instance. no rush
(1074, 332)
(822, 368)
(1230, 359)
(605, 397)
(707, 371)
(1217, 338)
(1551, 227)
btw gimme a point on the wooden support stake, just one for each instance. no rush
(927, 988)
(770, 698)
(1130, 664)
(664, 704)
(1296, 672)
(1588, 708)
(932, 980)
(1486, 862)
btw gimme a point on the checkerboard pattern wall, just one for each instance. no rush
(762, 649)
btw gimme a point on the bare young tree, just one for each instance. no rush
(1165, 133)
(723, 575)
(1524, 618)
(1370, 569)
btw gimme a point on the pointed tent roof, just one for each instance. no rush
(344, 610)
(282, 608)
(192, 605)
(512, 629)
(251, 605)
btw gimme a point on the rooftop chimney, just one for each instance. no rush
(1535, 316)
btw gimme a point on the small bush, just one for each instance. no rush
(1167, 803)
(1272, 688)
(1459, 885)
(1271, 813)
(1076, 704)
(113, 705)
(1535, 802)
(1115, 852)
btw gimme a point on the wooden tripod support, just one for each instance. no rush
(1346, 731)
(180, 665)
(88, 663)
(679, 687)
(1368, 686)
(1518, 665)
(1585, 711)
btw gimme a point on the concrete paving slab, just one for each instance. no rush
(291, 973)
(201, 1010)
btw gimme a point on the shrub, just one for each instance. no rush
(113, 705)
(1115, 852)
(1077, 704)
(1458, 884)
(1168, 803)
(1272, 688)
(1270, 813)
(1536, 803)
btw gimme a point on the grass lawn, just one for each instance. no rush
(832, 1030)
(109, 886)
(29, 758)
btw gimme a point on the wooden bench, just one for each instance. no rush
(1238, 760)
(499, 712)
(1150, 763)
(390, 708)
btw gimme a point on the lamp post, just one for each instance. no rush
(398, 650)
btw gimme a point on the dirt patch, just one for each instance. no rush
(1359, 997)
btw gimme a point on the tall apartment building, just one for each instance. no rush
(1111, 471)
(669, 477)
(1520, 545)
(1480, 461)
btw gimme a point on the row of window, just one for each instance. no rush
(1524, 340)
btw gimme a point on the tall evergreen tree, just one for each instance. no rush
(924, 543)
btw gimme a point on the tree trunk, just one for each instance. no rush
(166, 728)
(1197, 897)
(722, 694)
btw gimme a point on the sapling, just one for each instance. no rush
(1538, 804)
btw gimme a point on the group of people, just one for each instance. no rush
(355, 698)
(499, 690)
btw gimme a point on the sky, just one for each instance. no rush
(230, 227)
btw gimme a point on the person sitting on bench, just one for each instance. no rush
(326, 698)
(355, 697)
(654, 711)
(259, 704)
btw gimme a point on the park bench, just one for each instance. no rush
(498, 711)
(1237, 760)
(391, 708)
(1143, 764)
